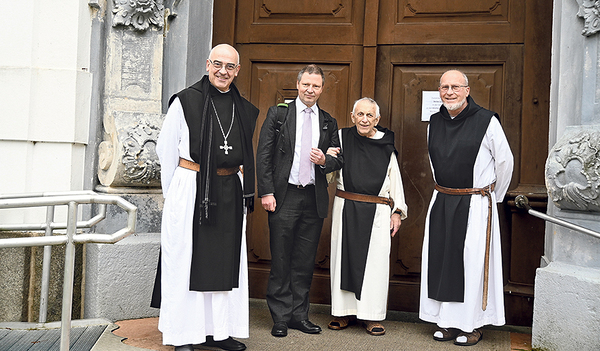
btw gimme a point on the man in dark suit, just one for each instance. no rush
(291, 165)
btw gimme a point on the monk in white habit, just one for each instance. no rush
(205, 151)
(461, 269)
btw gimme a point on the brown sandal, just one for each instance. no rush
(339, 323)
(373, 328)
(447, 334)
(472, 338)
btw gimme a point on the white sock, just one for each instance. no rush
(461, 339)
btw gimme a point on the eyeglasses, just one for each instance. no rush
(445, 88)
(218, 65)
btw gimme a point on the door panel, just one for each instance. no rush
(452, 21)
(300, 21)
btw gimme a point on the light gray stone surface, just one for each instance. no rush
(120, 278)
(567, 308)
(567, 289)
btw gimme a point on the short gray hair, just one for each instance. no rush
(369, 100)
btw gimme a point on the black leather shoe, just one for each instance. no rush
(188, 347)
(306, 326)
(279, 329)
(229, 344)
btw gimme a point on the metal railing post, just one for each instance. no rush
(46, 267)
(67, 302)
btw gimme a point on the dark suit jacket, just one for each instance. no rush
(273, 163)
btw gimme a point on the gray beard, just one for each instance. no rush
(455, 106)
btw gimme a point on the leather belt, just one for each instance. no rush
(227, 171)
(301, 187)
(364, 198)
(187, 164)
(485, 191)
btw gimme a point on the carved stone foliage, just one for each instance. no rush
(139, 13)
(127, 158)
(573, 171)
(139, 155)
(590, 11)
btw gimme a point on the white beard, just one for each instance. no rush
(455, 106)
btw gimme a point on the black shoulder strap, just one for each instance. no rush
(281, 113)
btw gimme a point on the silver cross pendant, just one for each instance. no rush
(226, 148)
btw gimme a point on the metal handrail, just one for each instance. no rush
(49, 226)
(72, 200)
(522, 202)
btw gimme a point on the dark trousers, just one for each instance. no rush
(295, 231)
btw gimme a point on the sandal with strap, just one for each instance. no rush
(373, 328)
(468, 339)
(446, 334)
(339, 323)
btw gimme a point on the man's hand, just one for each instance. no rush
(333, 151)
(268, 202)
(317, 156)
(395, 223)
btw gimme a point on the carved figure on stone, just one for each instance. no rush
(573, 172)
(139, 13)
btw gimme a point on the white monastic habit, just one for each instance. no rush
(373, 303)
(494, 162)
(186, 317)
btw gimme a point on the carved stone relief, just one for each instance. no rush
(138, 13)
(132, 98)
(130, 159)
(573, 170)
(590, 11)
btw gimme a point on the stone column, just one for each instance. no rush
(119, 277)
(567, 287)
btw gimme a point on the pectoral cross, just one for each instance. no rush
(226, 147)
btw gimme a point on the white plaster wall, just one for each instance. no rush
(45, 90)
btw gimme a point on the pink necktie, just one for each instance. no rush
(305, 165)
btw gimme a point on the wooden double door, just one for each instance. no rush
(393, 51)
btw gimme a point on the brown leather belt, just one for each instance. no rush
(364, 198)
(187, 164)
(485, 191)
(227, 171)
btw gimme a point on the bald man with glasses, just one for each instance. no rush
(205, 143)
